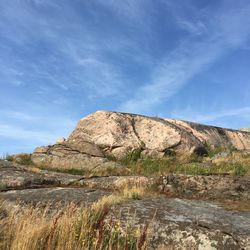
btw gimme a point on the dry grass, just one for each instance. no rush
(135, 187)
(70, 228)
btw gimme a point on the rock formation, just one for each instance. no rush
(115, 134)
(220, 222)
(245, 129)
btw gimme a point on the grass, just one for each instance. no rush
(23, 159)
(7, 157)
(212, 151)
(235, 165)
(73, 171)
(2, 187)
(131, 157)
(70, 228)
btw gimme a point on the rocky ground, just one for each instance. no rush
(181, 212)
(185, 185)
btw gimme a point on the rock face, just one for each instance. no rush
(117, 134)
(186, 224)
(245, 129)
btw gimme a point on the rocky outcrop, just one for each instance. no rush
(245, 129)
(117, 134)
(187, 224)
(72, 155)
(172, 223)
(15, 176)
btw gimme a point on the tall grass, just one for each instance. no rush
(70, 228)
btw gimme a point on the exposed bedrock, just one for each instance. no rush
(117, 134)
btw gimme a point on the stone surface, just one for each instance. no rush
(245, 129)
(206, 187)
(186, 224)
(53, 195)
(15, 176)
(71, 155)
(173, 223)
(117, 134)
(120, 132)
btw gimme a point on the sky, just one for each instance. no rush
(61, 60)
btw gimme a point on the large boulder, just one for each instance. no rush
(120, 133)
(115, 134)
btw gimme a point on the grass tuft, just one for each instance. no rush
(69, 228)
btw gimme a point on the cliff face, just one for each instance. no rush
(112, 133)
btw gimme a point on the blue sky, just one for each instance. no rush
(61, 60)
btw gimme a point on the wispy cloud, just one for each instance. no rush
(195, 28)
(226, 29)
(190, 115)
(27, 135)
(54, 46)
(17, 115)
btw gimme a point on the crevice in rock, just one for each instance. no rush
(132, 121)
(66, 148)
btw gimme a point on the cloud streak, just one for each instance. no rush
(225, 32)
(190, 115)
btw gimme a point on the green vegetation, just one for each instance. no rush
(24, 159)
(236, 164)
(213, 151)
(7, 157)
(131, 157)
(2, 187)
(240, 170)
(217, 161)
(73, 171)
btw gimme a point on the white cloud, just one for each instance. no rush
(27, 135)
(69, 43)
(195, 28)
(190, 115)
(18, 115)
(228, 29)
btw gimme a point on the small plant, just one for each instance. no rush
(212, 150)
(110, 157)
(7, 157)
(3, 187)
(132, 157)
(135, 196)
(23, 159)
(239, 170)
(194, 157)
